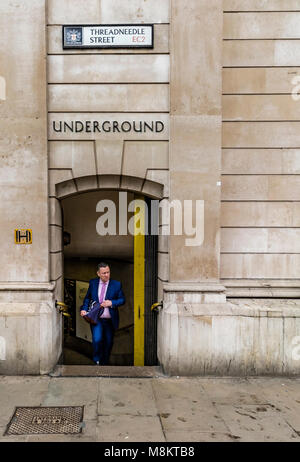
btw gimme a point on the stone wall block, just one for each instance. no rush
(56, 239)
(260, 161)
(260, 107)
(260, 240)
(87, 183)
(239, 53)
(131, 183)
(98, 68)
(140, 156)
(163, 266)
(229, 345)
(66, 188)
(162, 177)
(267, 25)
(109, 155)
(260, 266)
(153, 189)
(291, 349)
(83, 158)
(261, 213)
(56, 177)
(109, 181)
(261, 134)
(107, 11)
(60, 155)
(109, 97)
(21, 333)
(260, 5)
(56, 260)
(55, 216)
(258, 80)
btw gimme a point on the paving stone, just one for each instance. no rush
(74, 392)
(200, 437)
(280, 392)
(183, 405)
(129, 428)
(292, 417)
(232, 390)
(292, 387)
(256, 423)
(271, 384)
(20, 391)
(201, 418)
(132, 396)
(181, 388)
(289, 411)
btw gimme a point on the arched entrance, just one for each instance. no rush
(133, 261)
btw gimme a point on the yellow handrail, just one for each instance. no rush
(63, 308)
(155, 305)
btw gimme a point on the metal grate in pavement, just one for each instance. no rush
(45, 420)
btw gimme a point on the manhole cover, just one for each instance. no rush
(33, 420)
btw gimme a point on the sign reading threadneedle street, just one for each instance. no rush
(108, 36)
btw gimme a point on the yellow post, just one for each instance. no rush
(139, 281)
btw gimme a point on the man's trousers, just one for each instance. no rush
(103, 336)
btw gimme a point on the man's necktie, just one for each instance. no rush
(101, 298)
(106, 313)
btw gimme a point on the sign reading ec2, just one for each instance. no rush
(108, 36)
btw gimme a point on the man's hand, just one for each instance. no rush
(83, 313)
(106, 303)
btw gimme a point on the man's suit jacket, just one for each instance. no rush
(114, 293)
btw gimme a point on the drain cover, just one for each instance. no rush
(33, 420)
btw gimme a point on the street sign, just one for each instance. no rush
(23, 236)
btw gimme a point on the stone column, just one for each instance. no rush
(195, 167)
(31, 341)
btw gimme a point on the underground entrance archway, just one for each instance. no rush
(132, 257)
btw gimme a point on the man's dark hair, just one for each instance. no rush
(102, 264)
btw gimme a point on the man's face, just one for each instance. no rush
(104, 274)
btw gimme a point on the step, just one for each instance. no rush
(107, 371)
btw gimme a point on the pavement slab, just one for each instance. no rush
(199, 437)
(158, 409)
(118, 397)
(203, 418)
(21, 391)
(283, 395)
(254, 422)
(232, 391)
(129, 428)
(280, 389)
(183, 405)
(74, 392)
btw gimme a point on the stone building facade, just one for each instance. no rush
(222, 81)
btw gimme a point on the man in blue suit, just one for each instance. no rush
(109, 294)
